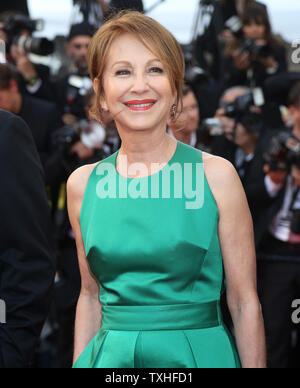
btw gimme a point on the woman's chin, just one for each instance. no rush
(140, 124)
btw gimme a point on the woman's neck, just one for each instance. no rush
(147, 150)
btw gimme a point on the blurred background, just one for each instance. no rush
(241, 101)
(176, 15)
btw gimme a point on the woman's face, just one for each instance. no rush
(243, 137)
(137, 89)
(191, 112)
(254, 30)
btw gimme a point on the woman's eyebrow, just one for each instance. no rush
(122, 63)
(130, 64)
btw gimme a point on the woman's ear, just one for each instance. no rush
(100, 94)
(96, 85)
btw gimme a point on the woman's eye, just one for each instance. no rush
(122, 72)
(156, 70)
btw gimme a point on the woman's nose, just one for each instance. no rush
(140, 84)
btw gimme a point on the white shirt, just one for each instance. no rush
(280, 227)
(240, 158)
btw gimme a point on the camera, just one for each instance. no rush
(78, 87)
(91, 134)
(283, 152)
(240, 111)
(255, 50)
(14, 28)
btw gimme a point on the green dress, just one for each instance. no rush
(159, 267)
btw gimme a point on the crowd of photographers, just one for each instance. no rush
(240, 103)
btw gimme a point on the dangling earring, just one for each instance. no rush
(173, 112)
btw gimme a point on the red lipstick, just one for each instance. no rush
(140, 105)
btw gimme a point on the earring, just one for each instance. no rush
(173, 112)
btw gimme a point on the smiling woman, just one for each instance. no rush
(157, 54)
(156, 261)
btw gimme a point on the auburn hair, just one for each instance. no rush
(152, 34)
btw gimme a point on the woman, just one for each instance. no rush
(257, 55)
(156, 260)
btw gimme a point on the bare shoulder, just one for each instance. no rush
(218, 169)
(76, 186)
(78, 180)
(223, 179)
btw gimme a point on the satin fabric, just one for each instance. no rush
(157, 262)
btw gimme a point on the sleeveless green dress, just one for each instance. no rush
(157, 259)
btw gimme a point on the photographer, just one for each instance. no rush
(225, 19)
(254, 56)
(75, 146)
(41, 116)
(70, 90)
(187, 128)
(16, 31)
(243, 143)
(279, 251)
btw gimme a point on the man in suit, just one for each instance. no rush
(27, 265)
(245, 151)
(185, 129)
(70, 90)
(33, 78)
(42, 117)
(279, 251)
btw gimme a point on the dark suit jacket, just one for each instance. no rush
(261, 205)
(27, 264)
(15, 5)
(43, 119)
(45, 91)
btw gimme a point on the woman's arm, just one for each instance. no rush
(237, 244)
(88, 313)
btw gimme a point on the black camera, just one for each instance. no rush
(78, 87)
(240, 111)
(283, 152)
(64, 138)
(240, 106)
(91, 134)
(14, 28)
(255, 50)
